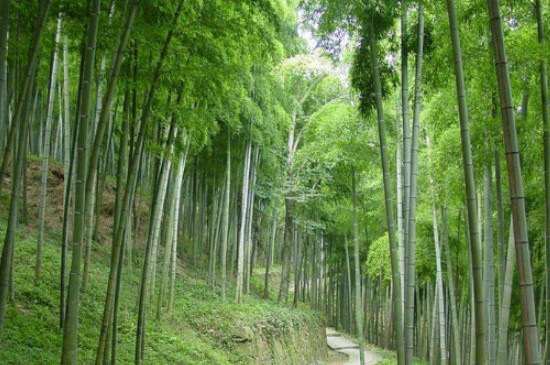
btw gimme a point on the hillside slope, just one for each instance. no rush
(201, 330)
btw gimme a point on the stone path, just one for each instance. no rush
(337, 342)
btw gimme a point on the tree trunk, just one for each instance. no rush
(406, 127)
(358, 304)
(67, 179)
(175, 237)
(500, 215)
(225, 221)
(489, 273)
(543, 74)
(531, 342)
(46, 153)
(270, 251)
(70, 333)
(410, 272)
(4, 102)
(452, 292)
(474, 239)
(505, 306)
(242, 233)
(396, 276)
(168, 241)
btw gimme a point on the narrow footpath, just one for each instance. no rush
(337, 342)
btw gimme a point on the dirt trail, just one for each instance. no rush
(336, 342)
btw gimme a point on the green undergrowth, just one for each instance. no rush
(202, 329)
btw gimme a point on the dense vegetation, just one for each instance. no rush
(388, 161)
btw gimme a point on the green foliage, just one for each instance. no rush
(378, 263)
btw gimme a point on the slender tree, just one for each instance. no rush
(410, 248)
(357, 268)
(242, 233)
(396, 276)
(452, 289)
(505, 306)
(474, 239)
(67, 174)
(70, 332)
(269, 252)
(46, 151)
(406, 123)
(543, 75)
(489, 269)
(4, 30)
(225, 220)
(531, 344)
(175, 236)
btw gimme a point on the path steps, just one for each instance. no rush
(337, 342)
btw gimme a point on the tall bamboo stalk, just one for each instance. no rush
(225, 220)
(474, 239)
(243, 225)
(357, 264)
(67, 158)
(489, 268)
(439, 272)
(452, 290)
(46, 152)
(543, 75)
(175, 237)
(505, 306)
(410, 272)
(4, 105)
(406, 123)
(70, 333)
(396, 276)
(531, 342)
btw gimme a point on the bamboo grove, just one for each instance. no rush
(394, 177)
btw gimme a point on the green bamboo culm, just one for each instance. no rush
(46, 152)
(4, 25)
(531, 343)
(543, 76)
(357, 274)
(70, 331)
(471, 204)
(410, 245)
(396, 275)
